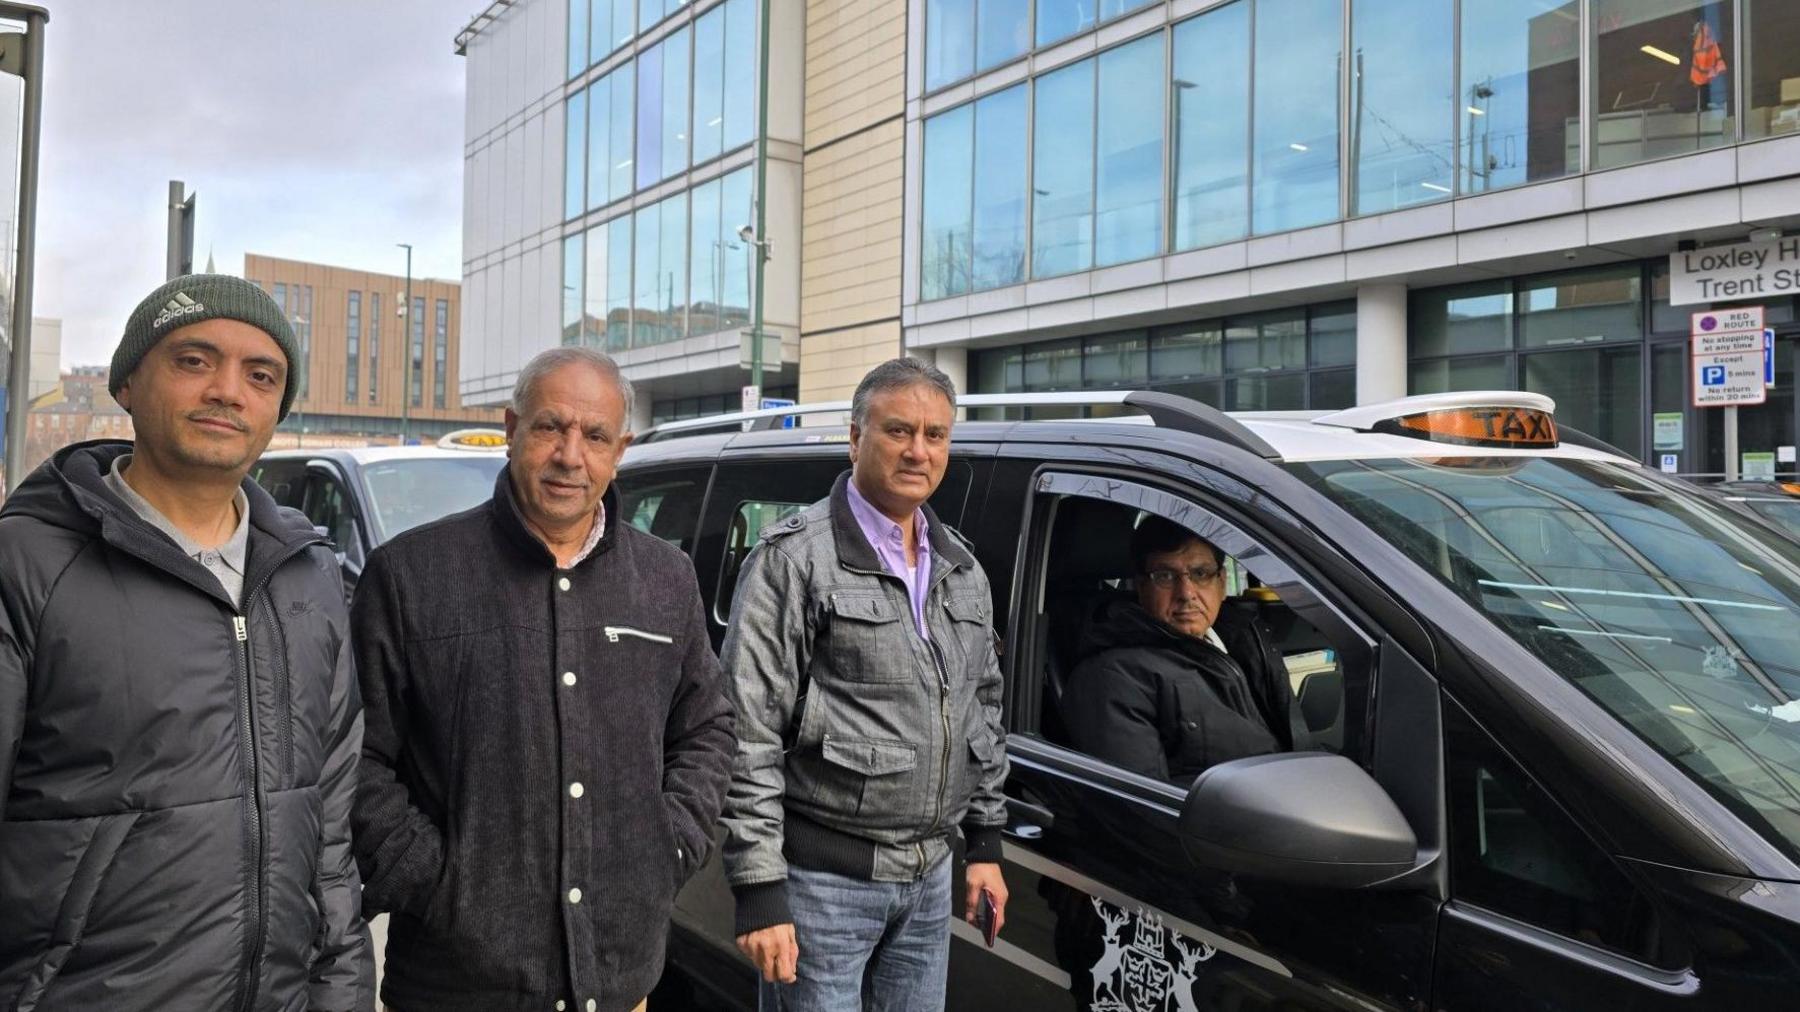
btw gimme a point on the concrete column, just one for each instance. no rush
(955, 364)
(640, 408)
(1380, 342)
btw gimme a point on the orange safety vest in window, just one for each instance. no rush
(1708, 63)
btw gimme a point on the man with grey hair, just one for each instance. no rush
(548, 737)
(861, 660)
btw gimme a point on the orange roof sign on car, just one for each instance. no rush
(1499, 418)
(473, 439)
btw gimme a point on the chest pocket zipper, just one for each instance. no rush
(613, 632)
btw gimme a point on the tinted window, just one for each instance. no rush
(284, 480)
(404, 494)
(664, 503)
(1515, 851)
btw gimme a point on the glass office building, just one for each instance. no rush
(1300, 204)
(609, 191)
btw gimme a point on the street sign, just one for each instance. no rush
(787, 421)
(751, 395)
(1728, 358)
(1668, 463)
(1751, 270)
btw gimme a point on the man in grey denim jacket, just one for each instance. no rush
(861, 660)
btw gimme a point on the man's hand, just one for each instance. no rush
(776, 953)
(985, 876)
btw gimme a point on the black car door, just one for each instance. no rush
(1108, 911)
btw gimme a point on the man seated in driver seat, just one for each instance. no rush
(1165, 685)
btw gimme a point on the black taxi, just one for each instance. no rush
(1546, 731)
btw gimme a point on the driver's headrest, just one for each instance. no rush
(1092, 542)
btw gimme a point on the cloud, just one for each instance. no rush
(323, 130)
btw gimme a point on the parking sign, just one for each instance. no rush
(1728, 358)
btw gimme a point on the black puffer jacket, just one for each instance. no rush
(177, 774)
(1169, 706)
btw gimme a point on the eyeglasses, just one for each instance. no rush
(1199, 576)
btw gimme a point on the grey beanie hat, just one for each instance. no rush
(195, 297)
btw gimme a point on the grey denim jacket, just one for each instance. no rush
(897, 741)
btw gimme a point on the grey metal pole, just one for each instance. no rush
(762, 204)
(406, 344)
(176, 196)
(18, 373)
(1731, 443)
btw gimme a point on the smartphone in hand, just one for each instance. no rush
(985, 920)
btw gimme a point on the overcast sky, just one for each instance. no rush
(323, 130)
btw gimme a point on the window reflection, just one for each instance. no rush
(949, 38)
(1211, 100)
(1002, 31)
(1772, 55)
(1597, 391)
(1402, 114)
(574, 154)
(1128, 192)
(949, 161)
(1062, 206)
(1582, 307)
(999, 200)
(1664, 78)
(1520, 92)
(1296, 65)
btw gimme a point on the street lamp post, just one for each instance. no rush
(27, 61)
(406, 326)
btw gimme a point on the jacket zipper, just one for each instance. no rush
(613, 632)
(259, 915)
(937, 659)
(259, 840)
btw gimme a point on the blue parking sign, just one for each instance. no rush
(1712, 375)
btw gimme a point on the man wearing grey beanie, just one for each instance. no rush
(179, 716)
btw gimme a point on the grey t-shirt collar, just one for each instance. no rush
(226, 562)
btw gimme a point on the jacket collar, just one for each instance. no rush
(854, 550)
(512, 523)
(69, 491)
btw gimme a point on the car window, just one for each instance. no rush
(1516, 852)
(283, 479)
(407, 492)
(747, 522)
(327, 506)
(1663, 604)
(1122, 684)
(665, 503)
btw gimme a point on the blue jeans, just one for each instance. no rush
(877, 946)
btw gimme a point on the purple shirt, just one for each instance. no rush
(889, 542)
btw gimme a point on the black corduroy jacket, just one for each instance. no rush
(546, 756)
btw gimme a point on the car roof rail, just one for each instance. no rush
(1165, 410)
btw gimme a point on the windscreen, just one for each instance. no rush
(1673, 611)
(407, 493)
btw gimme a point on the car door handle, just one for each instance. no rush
(1026, 821)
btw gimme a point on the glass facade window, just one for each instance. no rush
(649, 114)
(609, 139)
(659, 256)
(300, 313)
(1295, 138)
(652, 11)
(1478, 372)
(706, 258)
(1599, 391)
(949, 167)
(1403, 119)
(415, 328)
(374, 345)
(743, 41)
(594, 278)
(618, 284)
(575, 155)
(1582, 307)
(571, 290)
(440, 353)
(610, 26)
(998, 230)
(352, 343)
(1002, 31)
(578, 36)
(949, 41)
(1251, 363)
(1211, 101)
(1062, 175)
(1460, 319)
(709, 84)
(1519, 92)
(1059, 19)
(1128, 162)
(1664, 79)
(675, 103)
(1772, 67)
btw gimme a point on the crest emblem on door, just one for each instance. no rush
(1144, 967)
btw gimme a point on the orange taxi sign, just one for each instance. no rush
(474, 439)
(1496, 426)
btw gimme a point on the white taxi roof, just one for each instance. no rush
(1304, 436)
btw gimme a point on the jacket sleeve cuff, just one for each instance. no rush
(762, 905)
(984, 844)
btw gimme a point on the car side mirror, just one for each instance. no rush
(1301, 818)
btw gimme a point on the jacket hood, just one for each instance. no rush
(69, 491)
